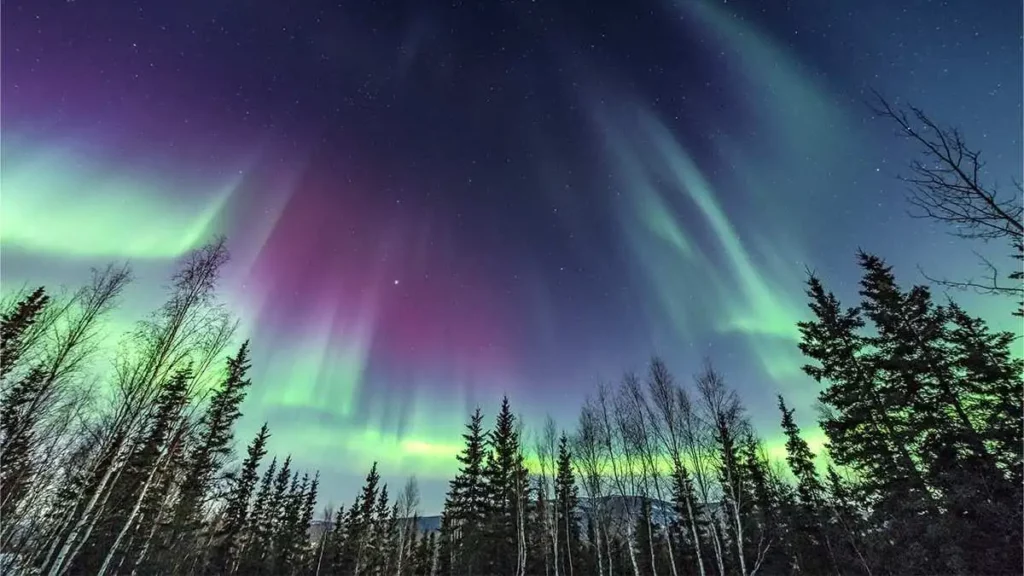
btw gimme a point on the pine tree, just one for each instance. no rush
(333, 544)
(466, 507)
(236, 515)
(15, 324)
(765, 501)
(507, 492)
(17, 431)
(645, 538)
(380, 535)
(286, 538)
(540, 560)
(903, 412)
(304, 559)
(146, 461)
(567, 519)
(214, 445)
(811, 546)
(19, 412)
(260, 527)
(357, 554)
(867, 421)
(688, 528)
(278, 510)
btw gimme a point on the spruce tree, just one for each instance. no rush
(540, 558)
(868, 422)
(144, 463)
(236, 514)
(380, 534)
(567, 520)
(260, 527)
(906, 406)
(644, 532)
(507, 492)
(288, 514)
(305, 560)
(356, 553)
(688, 528)
(811, 543)
(15, 324)
(17, 431)
(216, 433)
(466, 506)
(333, 545)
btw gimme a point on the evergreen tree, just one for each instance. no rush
(688, 528)
(15, 324)
(19, 403)
(17, 432)
(289, 535)
(260, 527)
(810, 543)
(236, 515)
(214, 444)
(380, 535)
(539, 543)
(304, 557)
(507, 491)
(466, 507)
(901, 410)
(567, 519)
(357, 550)
(868, 423)
(144, 463)
(333, 544)
(644, 532)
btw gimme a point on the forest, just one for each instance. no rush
(920, 403)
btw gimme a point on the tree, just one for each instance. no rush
(466, 507)
(17, 442)
(545, 449)
(591, 466)
(140, 472)
(260, 528)
(813, 546)
(900, 411)
(723, 410)
(670, 406)
(567, 521)
(187, 331)
(408, 517)
(507, 493)
(214, 445)
(947, 184)
(15, 324)
(227, 551)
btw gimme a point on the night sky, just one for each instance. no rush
(432, 204)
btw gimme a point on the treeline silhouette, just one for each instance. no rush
(131, 470)
(920, 403)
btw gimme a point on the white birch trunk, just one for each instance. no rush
(66, 554)
(131, 518)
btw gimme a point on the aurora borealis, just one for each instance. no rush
(432, 204)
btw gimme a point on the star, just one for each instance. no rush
(396, 282)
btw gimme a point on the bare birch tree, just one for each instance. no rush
(947, 183)
(622, 460)
(723, 409)
(546, 449)
(591, 468)
(165, 344)
(408, 506)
